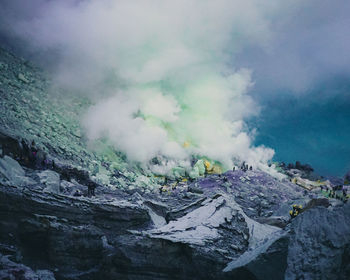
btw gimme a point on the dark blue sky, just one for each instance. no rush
(313, 128)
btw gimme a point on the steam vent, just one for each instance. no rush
(158, 139)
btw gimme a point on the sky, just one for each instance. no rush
(231, 80)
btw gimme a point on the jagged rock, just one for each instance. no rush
(22, 78)
(9, 145)
(13, 173)
(180, 212)
(254, 195)
(120, 237)
(316, 202)
(51, 180)
(102, 179)
(218, 226)
(195, 190)
(266, 261)
(316, 246)
(56, 229)
(202, 226)
(66, 232)
(11, 168)
(320, 245)
(280, 222)
(10, 270)
(67, 188)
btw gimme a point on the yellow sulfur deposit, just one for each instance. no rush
(186, 144)
(207, 165)
(216, 169)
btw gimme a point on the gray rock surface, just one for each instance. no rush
(72, 234)
(267, 260)
(259, 194)
(12, 173)
(10, 270)
(210, 235)
(319, 244)
(314, 246)
(210, 226)
(51, 180)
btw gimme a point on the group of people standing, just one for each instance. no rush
(244, 167)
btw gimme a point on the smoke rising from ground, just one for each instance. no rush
(168, 69)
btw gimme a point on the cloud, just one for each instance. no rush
(309, 47)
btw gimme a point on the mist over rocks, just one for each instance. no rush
(174, 55)
(129, 156)
(224, 62)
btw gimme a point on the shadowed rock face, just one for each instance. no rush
(13, 270)
(211, 237)
(319, 245)
(55, 231)
(85, 239)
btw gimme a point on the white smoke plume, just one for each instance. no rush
(162, 73)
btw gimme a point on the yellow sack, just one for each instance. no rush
(207, 165)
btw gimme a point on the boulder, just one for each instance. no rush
(268, 260)
(13, 174)
(11, 167)
(320, 244)
(102, 179)
(51, 180)
(69, 188)
(315, 246)
(218, 224)
(22, 78)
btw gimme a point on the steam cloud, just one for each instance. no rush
(162, 72)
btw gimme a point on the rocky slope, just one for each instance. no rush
(234, 225)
